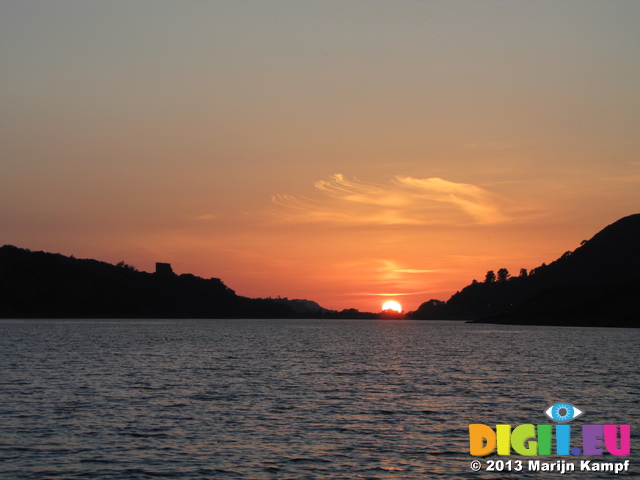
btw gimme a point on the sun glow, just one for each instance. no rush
(391, 305)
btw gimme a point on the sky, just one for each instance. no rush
(346, 152)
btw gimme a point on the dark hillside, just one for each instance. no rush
(613, 305)
(612, 255)
(603, 267)
(46, 285)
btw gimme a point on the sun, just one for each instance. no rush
(391, 305)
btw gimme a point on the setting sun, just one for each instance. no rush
(391, 305)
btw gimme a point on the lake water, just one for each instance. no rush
(295, 399)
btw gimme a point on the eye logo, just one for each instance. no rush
(563, 412)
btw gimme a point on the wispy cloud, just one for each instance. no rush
(478, 203)
(404, 201)
(391, 269)
(386, 277)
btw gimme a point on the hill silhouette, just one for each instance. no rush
(47, 285)
(597, 285)
(50, 285)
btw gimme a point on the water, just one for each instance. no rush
(294, 399)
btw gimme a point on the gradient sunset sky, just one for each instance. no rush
(348, 152)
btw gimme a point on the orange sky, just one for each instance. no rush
(345, 152)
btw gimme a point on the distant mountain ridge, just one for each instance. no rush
(303, 307)
(596, 284)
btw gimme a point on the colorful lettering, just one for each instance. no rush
(529, 440)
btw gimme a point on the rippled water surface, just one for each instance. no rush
(294, 399)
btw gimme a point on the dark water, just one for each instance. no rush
(294, 399)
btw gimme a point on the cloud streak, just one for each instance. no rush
(404, 201)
